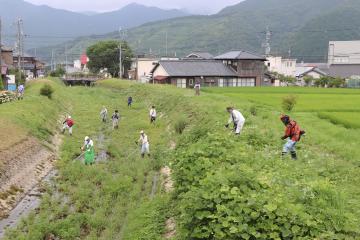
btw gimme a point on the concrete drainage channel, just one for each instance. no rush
(29, 203)
(32, 199)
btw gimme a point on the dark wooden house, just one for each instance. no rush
(249, 67)
(185, 73)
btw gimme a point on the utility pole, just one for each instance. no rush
(52, 60)
(267, 44)
(66, 60)
(166, 43)
(120, 54)
(19, 46)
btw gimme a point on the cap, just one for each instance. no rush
(142, 132)
(87, 138)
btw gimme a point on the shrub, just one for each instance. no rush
(180, 125)
(47, 91)
(1, 84)
(253, 110)
(289, 102)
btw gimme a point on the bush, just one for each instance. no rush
(289, 102)
(253, 110)
(47, 91)
(180, 125)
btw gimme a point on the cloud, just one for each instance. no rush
(196, 6)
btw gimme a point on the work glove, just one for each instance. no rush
(283, 138)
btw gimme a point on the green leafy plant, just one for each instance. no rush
(289, 102)
(47, 91)
(180, 125)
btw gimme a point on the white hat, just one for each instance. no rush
(142, 132)
(87, 138)
(69, 117)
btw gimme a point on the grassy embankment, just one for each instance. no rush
(226, 187)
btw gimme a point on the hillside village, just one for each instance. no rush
(236, 68)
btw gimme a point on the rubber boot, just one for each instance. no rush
(293, 155)
(142, 155)
(283, 154)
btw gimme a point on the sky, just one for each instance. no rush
(194, 6)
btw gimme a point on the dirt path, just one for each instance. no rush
(26, 164)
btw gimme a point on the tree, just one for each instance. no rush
(1, 83)
(105, 54)
(308, 80)
(286, 79)
(322, 82)
(59, 72)
(336, 82)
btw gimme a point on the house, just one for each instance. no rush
(249, 67)
(303, 71)
(185, 73)
(344, 52)
(142, 67)
(6, 64)
(32, 66)
(284, 66)
(200, 55)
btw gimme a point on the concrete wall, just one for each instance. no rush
(281, 65)
(144, 67)
(344, 52)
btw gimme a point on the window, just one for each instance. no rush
(181, 83)
(191, 82)
(221, 82)
(246, 82)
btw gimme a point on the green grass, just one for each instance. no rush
(226, 187)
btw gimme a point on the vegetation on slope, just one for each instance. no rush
(226, 187)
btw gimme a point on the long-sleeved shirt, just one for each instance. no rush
(143, 139)
(104, 112)
(292, 131)
(236, 117)
(152, 112)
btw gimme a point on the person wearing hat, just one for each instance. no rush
(152, 114)
(292, 136)
(236, 118)
(145, 146)
(103, 114)
(88, 148)
(115, 119)
(68, 124)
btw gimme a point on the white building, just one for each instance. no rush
(284, 66)
(344, 52)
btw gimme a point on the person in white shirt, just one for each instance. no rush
(152, 114)
(145, 145)
(237, 119)
(103, 114)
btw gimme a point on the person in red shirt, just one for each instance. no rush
(292, 134)
(68, 124)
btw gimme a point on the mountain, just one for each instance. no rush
(55, 25)
(300, 26)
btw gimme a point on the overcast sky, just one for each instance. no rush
(196, 6)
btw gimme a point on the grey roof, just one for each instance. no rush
(344, 70)
(240, 55)
(196, 68)
(202, 55)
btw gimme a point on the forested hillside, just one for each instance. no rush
(304, 27)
